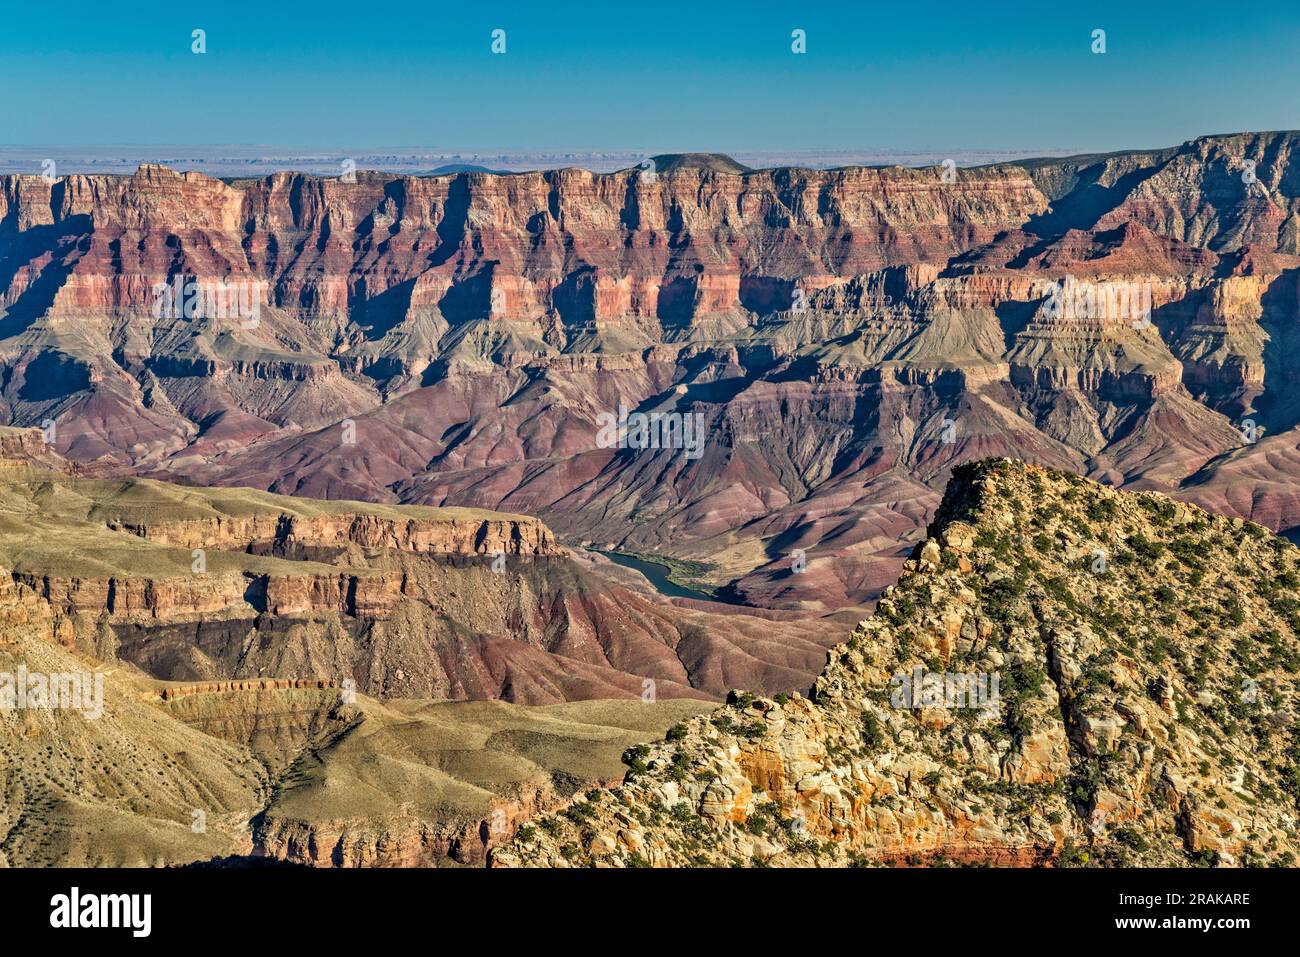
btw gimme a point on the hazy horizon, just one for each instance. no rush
(240, 161)
(261, 160)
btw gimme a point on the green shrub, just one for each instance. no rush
(873, 736)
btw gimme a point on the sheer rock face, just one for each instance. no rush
(1145, 654)
(29, 447)
(452, 536)
(847, 336)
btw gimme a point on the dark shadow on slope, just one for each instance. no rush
(455, 219)
(469, 299)
(66, 242)
(575, 298)
(377, 315)
(53, 375)
(1088, 202)
(1013, 317)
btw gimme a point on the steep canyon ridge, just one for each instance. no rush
(330, 526)
(1127, 729)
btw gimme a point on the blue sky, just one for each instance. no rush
(706, 75)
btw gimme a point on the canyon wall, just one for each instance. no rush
(846, 336)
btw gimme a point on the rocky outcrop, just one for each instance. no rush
(198, 596)
(21, 448)
(25, 610)
(453, 533)
(1064, 674)
(173, 692)
(396, 840)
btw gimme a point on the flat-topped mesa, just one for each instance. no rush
(189, 582)
(133, 598)
(189, 517)
(136, 550)
(676, 162)
(873, 218)
(460, 533)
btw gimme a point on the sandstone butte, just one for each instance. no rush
(849, 335)
(1145, 713)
